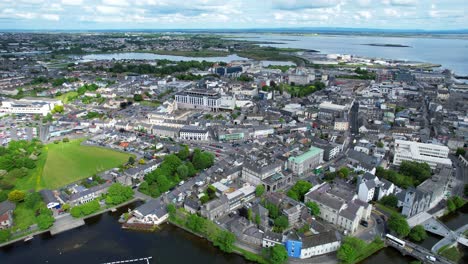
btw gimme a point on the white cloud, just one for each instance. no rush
(304, 4)
(52, 17)
(108, 10)
(401, 2)
(72, 2)
(391, 12)
(364, 15)
(115, 2)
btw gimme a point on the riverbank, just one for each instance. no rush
(66, 227)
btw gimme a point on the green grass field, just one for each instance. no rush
(64, 163)
(69, 162)
(66, 97)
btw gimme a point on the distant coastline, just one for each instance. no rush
(387, 45)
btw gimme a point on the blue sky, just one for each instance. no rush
(161, 14)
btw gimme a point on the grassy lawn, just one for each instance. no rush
(34, 181)
(66, 96)
(23, 217)
(69, 162)
(451, 253)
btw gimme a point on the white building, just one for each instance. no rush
(41, 106)
(421, 152)
(320, 244)
(198, 99)
(194, 133)
(370, 188)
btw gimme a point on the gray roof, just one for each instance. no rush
(350, 212)
(153, 206)
(273, 236)
(326, 199)
(91, 190)
(320, 239)
(6, 206)
(48, 196)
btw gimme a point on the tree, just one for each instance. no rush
(65, 140)
(281, 223)
(259, 190)
(32, 199)
(276, 254)
(144, 187)
(460, 151)
(299, 189)
(184, 152)
(195, 223)
(314, 208)
(171, 209)
(458, 201)
(346, 253)
(5, 235)
(344, 172)
(57, 109)
(273, 210)
(389, 200)
(416, 170)
(142, 162)
(137, 97)
(350, 249)
(16, 196)
(380, 144)
(118, 194)
(202, 160)
(45, 220)
(131, 160)
(182, 170)
(450, 205)
(418, 233)
(398, 224)
(66, 207)
(250, 214)
(257, 219)
(225, 241)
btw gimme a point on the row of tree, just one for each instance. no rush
(174, 169)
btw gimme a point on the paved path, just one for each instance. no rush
(66, 223)
(453, 238)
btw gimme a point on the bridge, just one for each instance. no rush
(417, 252)
(145, 260)
(450, 237)
(454, 237)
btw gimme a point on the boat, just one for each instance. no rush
(28, 238)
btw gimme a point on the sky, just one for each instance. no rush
(218, 14)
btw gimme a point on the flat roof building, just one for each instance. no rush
(431, 154)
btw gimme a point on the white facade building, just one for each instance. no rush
(29, 106)
(194, 133)
(421, 152)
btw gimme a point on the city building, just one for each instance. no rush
(41, 106)
(193, 133)
(198, 99)
(319, 244)
(306, 161)
(431, 154)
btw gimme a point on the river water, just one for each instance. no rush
(451, 53)
(153, 56)
(103, 240)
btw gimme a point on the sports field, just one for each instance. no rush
(69, 162)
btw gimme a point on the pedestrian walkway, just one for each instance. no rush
(66, 223)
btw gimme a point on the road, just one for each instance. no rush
(461, 177)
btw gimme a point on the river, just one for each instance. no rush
(451, 53)
(103, 240)
(153, 56)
